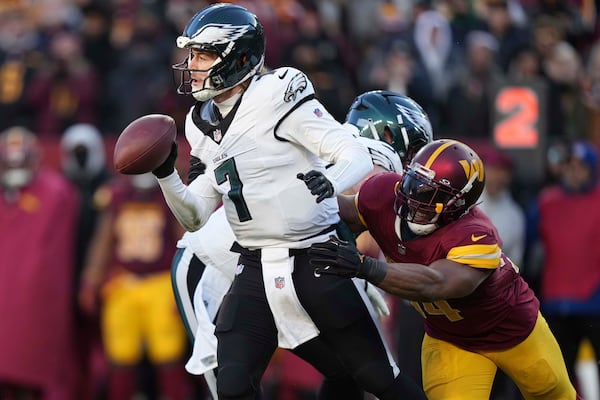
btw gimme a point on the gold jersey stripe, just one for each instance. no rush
(478, 255)
(360, 216)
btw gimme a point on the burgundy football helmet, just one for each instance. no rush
(443, 181)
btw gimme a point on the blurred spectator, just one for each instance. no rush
(83, 162)
(128, 265)
(499, 204)
(18, 60)
(505, 28)
(468, 105)
(38, 220)
(437, 60)
(66, 90)
(463, 20)
(569, 218)
(525, 66)
(591, 92)
(97, 48)
(140, 78)
(563, 70)
(390, 66)
(577, 26)
(322, 59)
(546, 34)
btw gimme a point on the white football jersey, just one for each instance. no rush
(276, 130)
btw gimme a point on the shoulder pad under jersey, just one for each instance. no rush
(284, 88)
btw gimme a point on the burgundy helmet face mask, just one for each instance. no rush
(443, 181)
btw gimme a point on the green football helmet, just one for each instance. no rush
(393, 118)
(235, 35)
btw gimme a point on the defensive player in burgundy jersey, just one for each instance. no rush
(445, 255)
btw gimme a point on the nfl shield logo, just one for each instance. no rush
(318, 112)
(217, 135)
(279, 282)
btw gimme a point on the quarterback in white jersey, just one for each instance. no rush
(275, 130)
(204, 268)
(259, 134)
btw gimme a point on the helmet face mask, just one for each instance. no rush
(235, 36)
(393, 118)
(442, 183)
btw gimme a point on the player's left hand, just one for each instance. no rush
(338, 257)
(168, 166)
(318, 184)
(335, 257)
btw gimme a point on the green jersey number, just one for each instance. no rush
(228, 171)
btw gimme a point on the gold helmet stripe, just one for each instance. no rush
(437, 152)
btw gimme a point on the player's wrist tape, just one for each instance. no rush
(373, 270)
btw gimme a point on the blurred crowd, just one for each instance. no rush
(108, 62)
(98, 65)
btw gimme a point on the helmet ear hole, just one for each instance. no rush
(388, 136)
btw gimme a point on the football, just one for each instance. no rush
(144, 144)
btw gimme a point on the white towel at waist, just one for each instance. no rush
(293, 323)
(207, 298)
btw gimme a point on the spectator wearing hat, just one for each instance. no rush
(569, 231)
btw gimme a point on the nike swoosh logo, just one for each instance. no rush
(283, 75)
(477, 238)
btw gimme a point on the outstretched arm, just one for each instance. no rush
(443, 279)
(349, 212)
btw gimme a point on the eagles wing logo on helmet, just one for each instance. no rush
(297, 85)
(214, 34)
(416, 118)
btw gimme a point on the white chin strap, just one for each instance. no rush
(208, 92)
(419, 229)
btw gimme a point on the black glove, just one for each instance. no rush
(197, 168)
(168, 166)
(317, 183)
(338, 257)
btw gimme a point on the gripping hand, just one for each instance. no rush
(317, 183)
(168, 166)
(338, 257)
